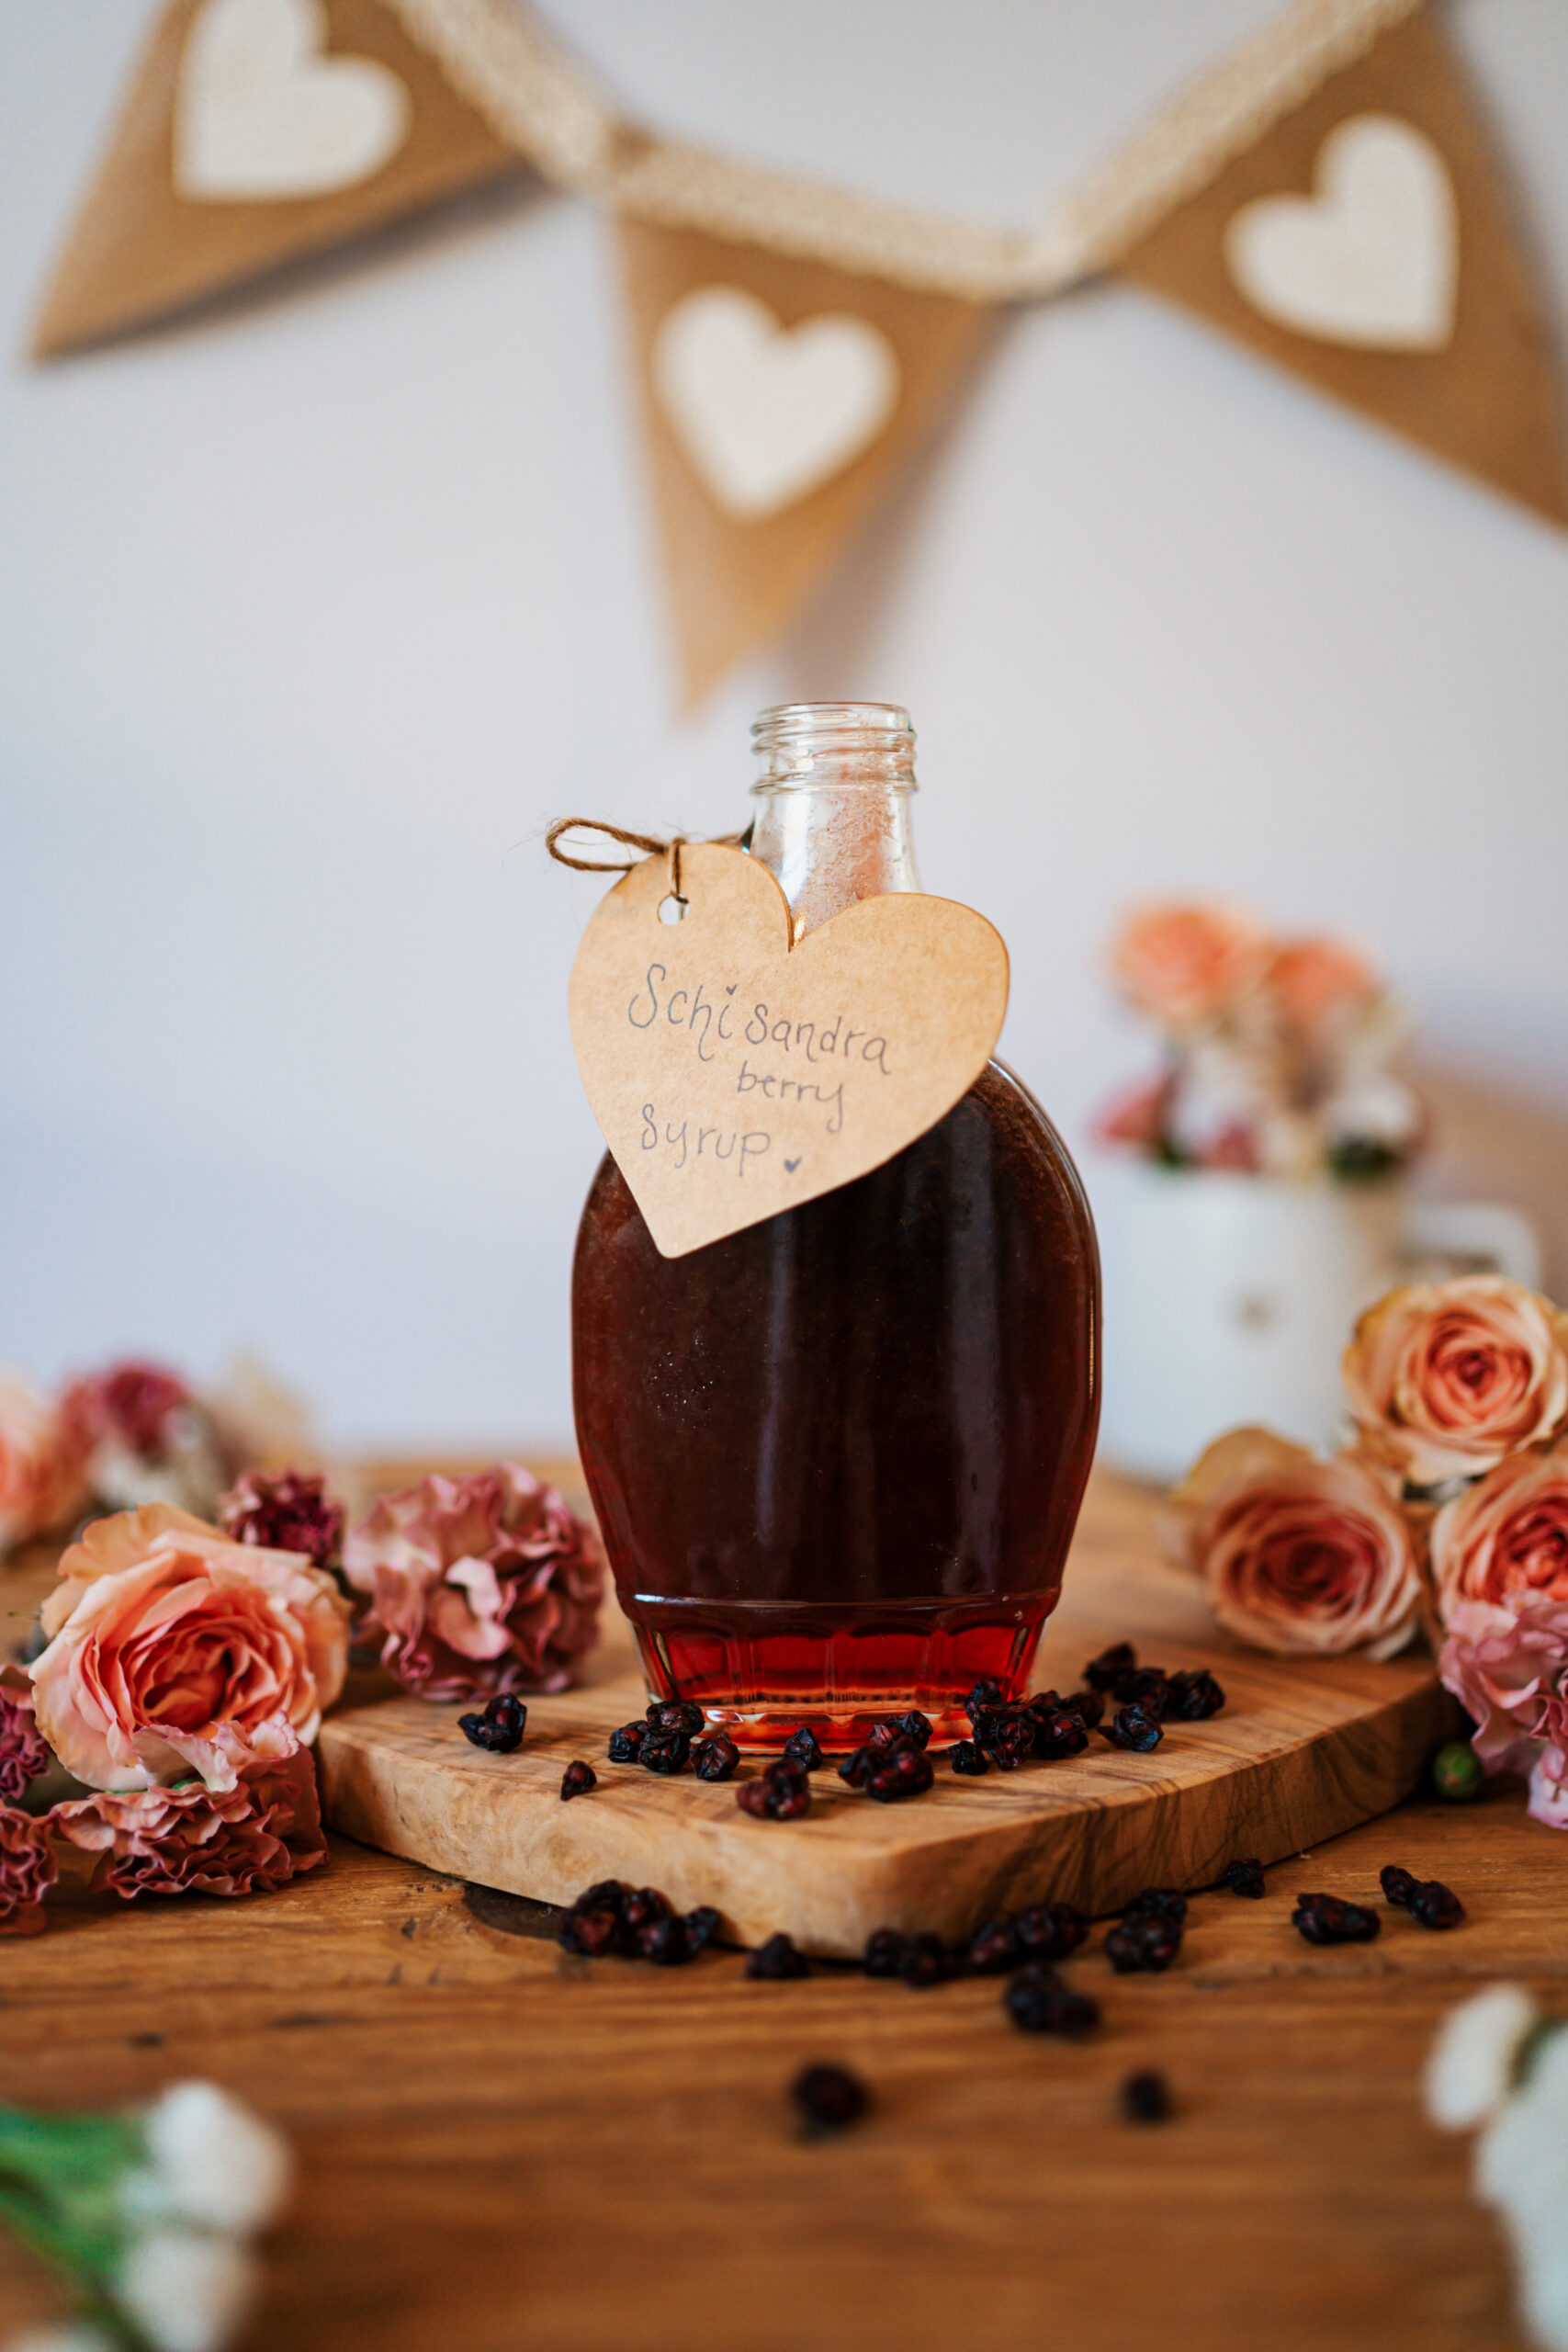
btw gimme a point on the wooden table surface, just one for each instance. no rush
(504, 2150)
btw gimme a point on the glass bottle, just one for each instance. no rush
(837, 1458)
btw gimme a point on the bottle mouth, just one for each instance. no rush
(838, 742)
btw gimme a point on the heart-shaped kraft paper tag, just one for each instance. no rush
(734, 1075)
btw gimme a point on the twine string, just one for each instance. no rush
(650, 844)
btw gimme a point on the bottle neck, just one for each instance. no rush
(833, 823)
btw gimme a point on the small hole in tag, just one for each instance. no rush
(671, 909)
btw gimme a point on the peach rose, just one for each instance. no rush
(1302, 1557)
(1446, 1379)
(1506, 1534)
(243, 1840)
(41, 1485)
(172, 1647)
(1186, 964)
(1320, 985)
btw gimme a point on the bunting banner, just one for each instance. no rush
(1324, 194)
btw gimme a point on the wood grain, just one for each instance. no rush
(1299, 1753)
(502, 2149)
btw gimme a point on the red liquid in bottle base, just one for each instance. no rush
(837, 1457)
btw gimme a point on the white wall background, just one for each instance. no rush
(313, 614)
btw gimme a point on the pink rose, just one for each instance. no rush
(24, 1755)
(193, 1840)
(41, 1485)
(1320, 986)
(478, 1584)
(172, 1647)
(1300, 1557)
(1507, 1533)
(28, 1871)
(1506, 1665)
(1185, 965)
(1446, 1379)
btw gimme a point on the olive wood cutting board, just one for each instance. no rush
(1303, 1750)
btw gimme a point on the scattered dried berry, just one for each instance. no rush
(1426, 1900)
(1038, 2002)
(1088, 1704)
(716, 1759)
(590, 1933)
(676, 1714)
(966, 1758)
(1457, 1772)
(1398, 1885)
(906, 1772)
(501, 1727)
(702, 1924)
(995, 1949)
(885, 1948)
(1143, 1685)
(1192, 1698)
(643, 1907)
(925, 1962)
(1062, 1733)
(1133, 1727)
(626, 1743)
(985, 1694)
(861, 1763)
(1156, 1903)
(665, 1752)
(782, 1793)
(1145, 2098)
(663, 1941)
(578, 1779)
(914, 1726)
(1101, 1671)
(829, 2097)
(1143, 1941)
(1050, 1930)
(777, 1959)
(1007, 1735)
(1244, 1878)
(1325, 1919)
(803, 1749)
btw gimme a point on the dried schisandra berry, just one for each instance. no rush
(578, 1779)
(1007, 1735)
(830, 2097)
(803, 1749)
(1038, 2002)
(782, 1793)
(861, 1763)
(665, 1752)
(663, 1941)
(966, 1760)
(676, 1714)
(1089, 1705)
(986, 1693)
(925, 1962)
(885, 1948)
(1133, 1727)
(1050, 1930)
(907, 1772)
(1192, 1698)
(1143, 1941)
(701, 1925)
(1244, 1878)
(1143, 1685)
(914, 1726)
(1325, 1919)
(995, 1949)
(1145, 2098)
(1156, 1903)
(643, 1907)
(1428, 1900)
(1101, 1671)
(716, 1759)
(1398, 1885)
(1061, 1735)
(626, 1743)
(590, 1933)
(501, 1727)
(777, 1959)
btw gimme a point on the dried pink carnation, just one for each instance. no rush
(129, 1405)
(28, 1871)
(478, 1584)
(1548, 1788)
(24, 1751)
(288, 1512)
(195, 1841)
(1506, 1662)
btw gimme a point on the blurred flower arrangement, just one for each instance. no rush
(1447, 1512)
(181, 1664)
(150, 2217)
(1276, 1050)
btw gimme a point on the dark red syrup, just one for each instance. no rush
(837, 1458)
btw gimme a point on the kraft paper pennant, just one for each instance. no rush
(1365, 242)
(736, 1072)
(254, 132)
(783, 401)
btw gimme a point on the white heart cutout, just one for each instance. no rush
(765, 413)
(1373, 258)
(261, 113)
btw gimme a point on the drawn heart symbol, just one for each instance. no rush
(734, 1075)
(764, 415)
(260, 113)
(1371, 258)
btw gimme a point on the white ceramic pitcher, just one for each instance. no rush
(1231, 1298)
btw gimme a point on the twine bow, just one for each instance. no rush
(648, 843)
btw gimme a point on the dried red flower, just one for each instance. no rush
(288, 1512)
(28, 1871)
(130, 1404)
(195, 1841)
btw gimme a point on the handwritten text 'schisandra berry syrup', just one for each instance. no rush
(837, 1457)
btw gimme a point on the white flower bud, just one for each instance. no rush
(185, 2290)
(212, 2162)
(1471, 2070)
(63, 2336)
